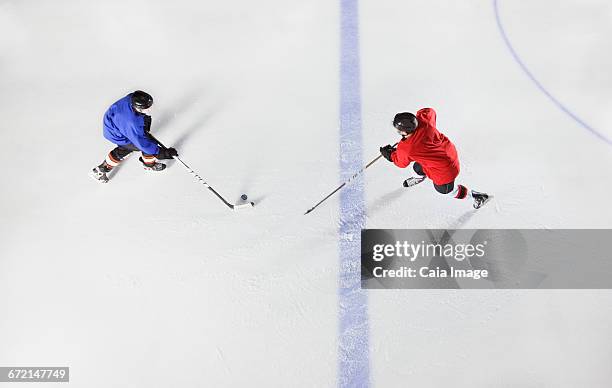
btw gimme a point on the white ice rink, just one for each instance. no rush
(150, 281)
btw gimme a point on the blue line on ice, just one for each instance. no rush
(353, 347)
(518, 60)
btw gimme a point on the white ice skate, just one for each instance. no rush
(413, 181)
(98, 175)
(480, 199)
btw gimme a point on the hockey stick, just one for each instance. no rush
(347, 182)
(202, 181)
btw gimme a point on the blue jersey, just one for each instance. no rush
(122, 126)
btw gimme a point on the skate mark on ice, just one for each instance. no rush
(539, 85)
(223, 361)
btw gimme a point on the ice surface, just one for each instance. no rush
(150, 281)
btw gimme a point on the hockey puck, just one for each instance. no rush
(244, 197)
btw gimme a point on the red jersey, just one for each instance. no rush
(431, 149)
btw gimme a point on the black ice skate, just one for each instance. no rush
(413, 181)
(99, 174)
(157, 166)
(480, 199)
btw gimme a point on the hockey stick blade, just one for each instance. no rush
(243, 206)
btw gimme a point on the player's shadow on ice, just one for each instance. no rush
(190, 101)
(383, 202)
(461, 221)
(197, 124)
(167, 115)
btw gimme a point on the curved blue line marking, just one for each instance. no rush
(518, 60)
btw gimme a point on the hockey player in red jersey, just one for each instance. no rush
(433, 154)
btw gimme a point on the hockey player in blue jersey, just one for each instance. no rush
(127, 123)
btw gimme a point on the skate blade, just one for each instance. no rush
(244, 205)
(484, 203)
(146, 168)
(412, 182)
(95, 178)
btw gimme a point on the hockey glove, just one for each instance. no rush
(386, 151)
(166, 153)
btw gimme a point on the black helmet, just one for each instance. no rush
(406, 122)
(141, 100)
